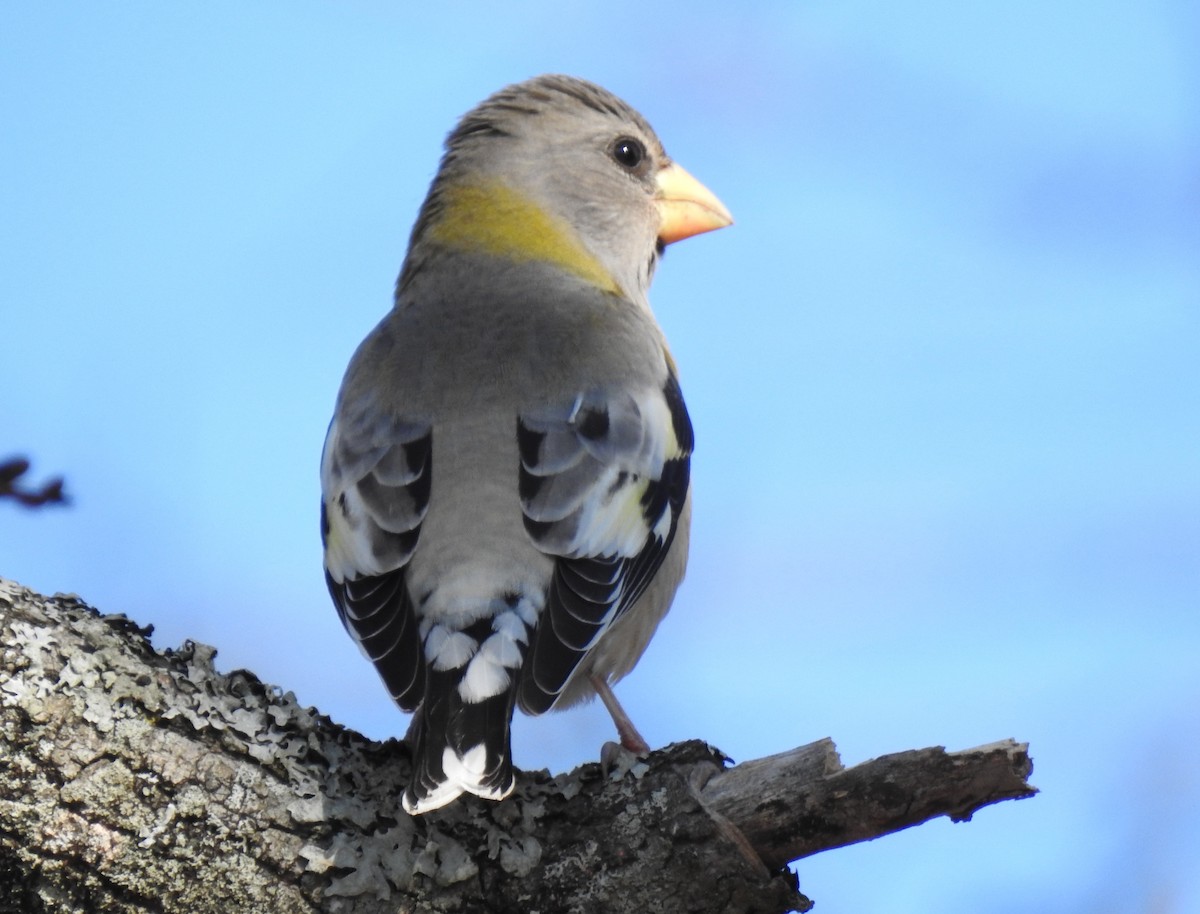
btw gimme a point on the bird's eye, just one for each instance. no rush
(628, 152)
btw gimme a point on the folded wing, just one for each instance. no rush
(375, 480)
(603, 480)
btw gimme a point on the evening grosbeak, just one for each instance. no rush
(505, 480)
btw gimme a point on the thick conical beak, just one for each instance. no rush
(686, 206)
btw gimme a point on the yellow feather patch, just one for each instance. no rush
(630, 518)
(495, 219)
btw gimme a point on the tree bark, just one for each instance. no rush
(139, 781)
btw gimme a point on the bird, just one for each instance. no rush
(505, 480)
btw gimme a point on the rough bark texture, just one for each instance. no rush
(138, 781)
(801, 802)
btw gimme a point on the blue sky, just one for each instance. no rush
(944, 373)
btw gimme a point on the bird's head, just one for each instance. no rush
(560, 170)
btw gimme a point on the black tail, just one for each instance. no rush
(459, 746)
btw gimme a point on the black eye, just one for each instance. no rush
(628, 152)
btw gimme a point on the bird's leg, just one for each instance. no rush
(630, 738)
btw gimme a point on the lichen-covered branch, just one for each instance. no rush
(137, 781)
(134, 781)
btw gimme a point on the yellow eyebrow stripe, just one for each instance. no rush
(497, 220)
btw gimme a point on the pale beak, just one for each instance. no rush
(686, 206)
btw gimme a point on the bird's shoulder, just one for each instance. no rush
(523, 336)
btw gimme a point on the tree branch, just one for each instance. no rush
(138, 781)
(802, 802)
(11, 471)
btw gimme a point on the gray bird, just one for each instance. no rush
(505, 480)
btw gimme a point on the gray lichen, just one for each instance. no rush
(145, 752)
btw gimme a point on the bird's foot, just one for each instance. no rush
(616, 761)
